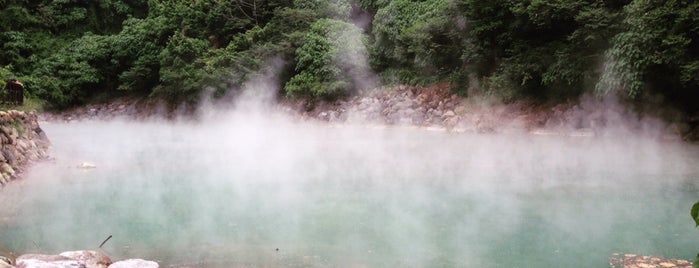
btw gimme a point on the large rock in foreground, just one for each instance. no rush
(90, 258)
(46, 261)
(134, 263)
(78, 259)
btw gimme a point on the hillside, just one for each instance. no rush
(69, 53)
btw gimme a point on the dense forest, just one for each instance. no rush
(67, 52)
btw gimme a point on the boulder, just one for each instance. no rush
(87, 165)
(4, 117)
(46, 261)
(5, 168)
(134, 263)
(90, 258)
(5, 262)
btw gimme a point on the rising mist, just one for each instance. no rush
(251, 185)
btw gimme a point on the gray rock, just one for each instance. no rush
(46, 261)
(7, 169)
(4, 117)
(405, 104)
(134, 263)
(409, 112)
(449, 113)
(5, 262)
(451, 122)
(21, 145)
(89, 258)
(86, 165)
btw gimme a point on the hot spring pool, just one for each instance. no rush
(260, 192)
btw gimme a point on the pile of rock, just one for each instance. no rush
(21, 142)
(73, 259)
(119, 108)
(434, 106)
(642, 261)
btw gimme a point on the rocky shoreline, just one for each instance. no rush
(22, 141)
(436, 108)
(644, 261)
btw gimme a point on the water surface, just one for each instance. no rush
(258, 191)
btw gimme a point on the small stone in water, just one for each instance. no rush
(86, 165)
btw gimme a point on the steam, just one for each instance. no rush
(243, 182)
(252, 185)
(356, 60)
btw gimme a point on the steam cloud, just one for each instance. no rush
(251, 185)
(243, 182)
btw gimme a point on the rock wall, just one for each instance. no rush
(22, 142)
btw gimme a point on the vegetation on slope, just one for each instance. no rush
(67, 52)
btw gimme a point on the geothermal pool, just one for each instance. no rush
(255, 191)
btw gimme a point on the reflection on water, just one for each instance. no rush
(237, 193)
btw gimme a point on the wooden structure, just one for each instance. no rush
(13, 93)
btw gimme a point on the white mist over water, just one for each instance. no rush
(251, 186)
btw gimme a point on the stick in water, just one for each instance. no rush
(105, 241)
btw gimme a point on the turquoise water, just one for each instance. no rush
(277, 194)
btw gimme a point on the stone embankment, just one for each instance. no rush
(643, 261)
(120, 108)
(436, 107)
(73, 259)
(22, 142)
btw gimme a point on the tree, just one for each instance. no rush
(418, 39)
(542, 49)
(331, 61)
(658, 49)
(181, 74)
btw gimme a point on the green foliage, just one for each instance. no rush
(694, 212)
(546, 49)
(17, 124)
(30, 104)
(16, 17)
(329, 60)
(15, 48)
(423, 37)
(69, 51)
(181, 74)
(335, 9)
(136, 49)
(5, 73)
(660, 37)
